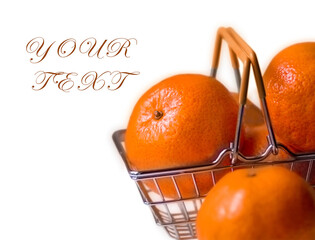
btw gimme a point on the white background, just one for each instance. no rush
(60, 174)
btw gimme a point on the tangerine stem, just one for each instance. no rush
(157, 114)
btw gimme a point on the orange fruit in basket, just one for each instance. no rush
(255, 131)
(183, 121)
(263, 203)
(290, 87)
(253, 116)
(254, 142)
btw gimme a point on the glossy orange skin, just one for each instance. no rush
(254, 142)
(253, 116)
(199, 120)
(268, 203)
(290, 87)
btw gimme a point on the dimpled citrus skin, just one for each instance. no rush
(198, 120)
(268, 203)
(253, 116)
(290, 89)
(254, 142)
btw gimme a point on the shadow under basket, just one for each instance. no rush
(175, 195)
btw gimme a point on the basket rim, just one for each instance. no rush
(119, 135)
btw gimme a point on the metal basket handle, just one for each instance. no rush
(239, 49)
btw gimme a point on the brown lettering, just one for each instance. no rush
(63, 49)
(119, 45)
(88, 45)
(65, 84)
(35, 46)
(119, 78)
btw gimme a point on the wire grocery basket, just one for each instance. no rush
(177, 214)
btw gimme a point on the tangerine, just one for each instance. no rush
(267, 203)
(255, 143)
(182, 121)
(255, 132)
(253, 116)
(290, 87)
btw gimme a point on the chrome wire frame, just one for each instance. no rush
(178, 215)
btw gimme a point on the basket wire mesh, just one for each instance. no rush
(177, 214)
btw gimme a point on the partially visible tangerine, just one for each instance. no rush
(290, 87)
(255, 141)
(268, 203)
(253, 116)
